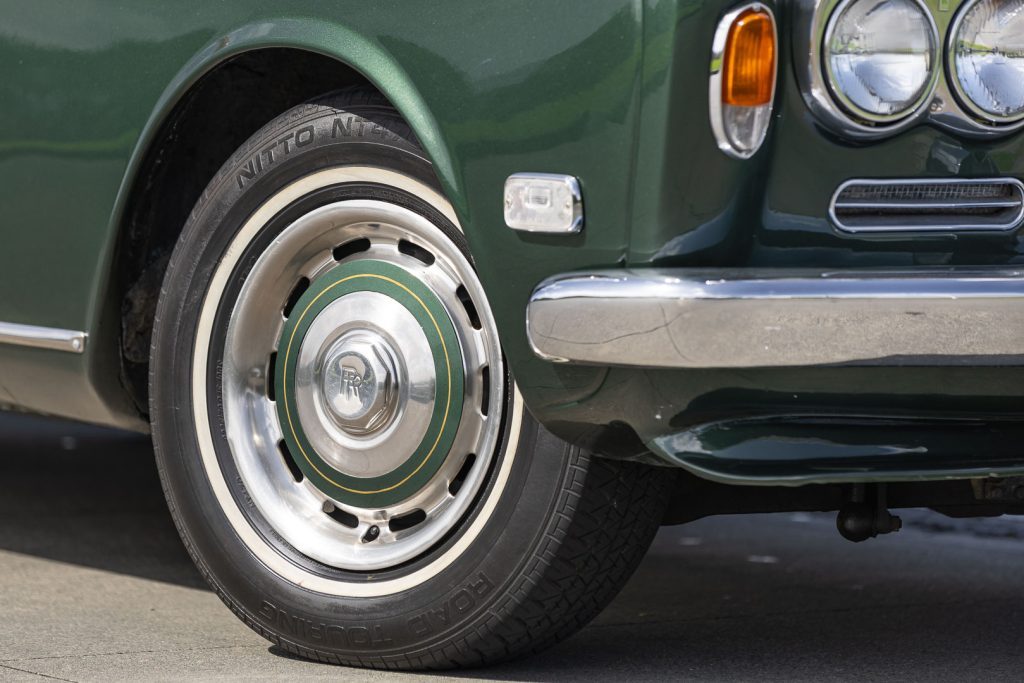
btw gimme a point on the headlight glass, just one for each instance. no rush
(880, 56)
(988, 58)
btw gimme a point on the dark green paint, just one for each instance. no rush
(366, 275)
(612, 91)
(800, 450)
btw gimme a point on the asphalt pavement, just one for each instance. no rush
(95, 586)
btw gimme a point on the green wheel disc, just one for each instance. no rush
(422, 463)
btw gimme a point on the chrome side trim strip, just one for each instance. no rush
(779, 318)
(51, 338)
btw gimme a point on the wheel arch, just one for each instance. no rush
(215, 102)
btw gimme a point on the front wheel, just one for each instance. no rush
(344, 451)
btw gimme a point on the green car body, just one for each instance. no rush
(613, 92)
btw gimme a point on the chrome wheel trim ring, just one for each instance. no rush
(489, 346)
(303, 512)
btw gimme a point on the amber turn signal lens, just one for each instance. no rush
(748, 65)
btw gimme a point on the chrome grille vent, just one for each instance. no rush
(928, 205)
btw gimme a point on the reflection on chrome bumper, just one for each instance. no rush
(762, 318)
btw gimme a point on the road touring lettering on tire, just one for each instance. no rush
(461, 602)
(329, 634)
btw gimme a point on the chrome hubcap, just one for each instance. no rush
(363, 385)
(357, 384)
(364, 399)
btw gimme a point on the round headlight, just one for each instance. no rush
(988, 59)
(880, 56)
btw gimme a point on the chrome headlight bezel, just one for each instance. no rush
(942, 108)
(846, 103)
(982, 116)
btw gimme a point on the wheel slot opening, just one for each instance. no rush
(407, 521)
(350, 248)
(289, 461)
(460, 478)
(340, 516)
(416, 251)
(271, 375)
(300, 288)
(485, 398)
(467, 303)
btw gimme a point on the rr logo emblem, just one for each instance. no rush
(351, 382)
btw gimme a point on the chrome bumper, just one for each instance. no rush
(771, 318)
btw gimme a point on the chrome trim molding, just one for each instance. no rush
(716, 110)
(51, 338)
(941, 107)
(779, 318)
(922, 224)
